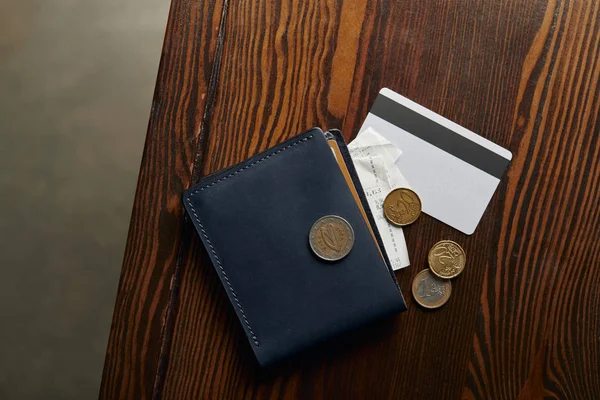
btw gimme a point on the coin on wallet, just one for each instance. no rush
(447, 259)
(402, 206)
(331, 238)
(430, 291)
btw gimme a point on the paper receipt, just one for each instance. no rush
(374, 159)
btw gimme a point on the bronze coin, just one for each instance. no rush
(402, 206)
(447, 259)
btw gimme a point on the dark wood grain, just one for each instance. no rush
(524, 318)
(539, 329)
(145, 298)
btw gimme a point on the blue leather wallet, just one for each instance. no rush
(254, 219)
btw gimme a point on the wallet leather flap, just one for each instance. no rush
(254, 220)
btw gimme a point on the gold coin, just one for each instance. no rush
(331, 238)
(447, 259)
(402, 206)
(430, 291)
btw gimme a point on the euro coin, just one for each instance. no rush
(430, 291)
(331, 238)
(402, 206)
(447, 259)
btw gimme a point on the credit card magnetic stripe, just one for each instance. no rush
(439, 136)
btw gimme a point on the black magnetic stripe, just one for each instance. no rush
(439, 136)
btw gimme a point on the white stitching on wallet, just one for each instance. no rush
(252, 164)
(212, 249)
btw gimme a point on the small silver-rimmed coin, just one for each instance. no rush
(331, 238)
(430, 291)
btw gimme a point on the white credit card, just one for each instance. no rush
(454, 171)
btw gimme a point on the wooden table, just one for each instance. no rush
(237, 77)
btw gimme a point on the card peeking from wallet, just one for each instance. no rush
(294, 244)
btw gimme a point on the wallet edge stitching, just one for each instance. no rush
(250, 165)
(237, 301)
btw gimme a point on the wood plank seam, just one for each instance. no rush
(173, 303)
(211, 96)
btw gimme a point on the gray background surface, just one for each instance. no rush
(76, 83)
